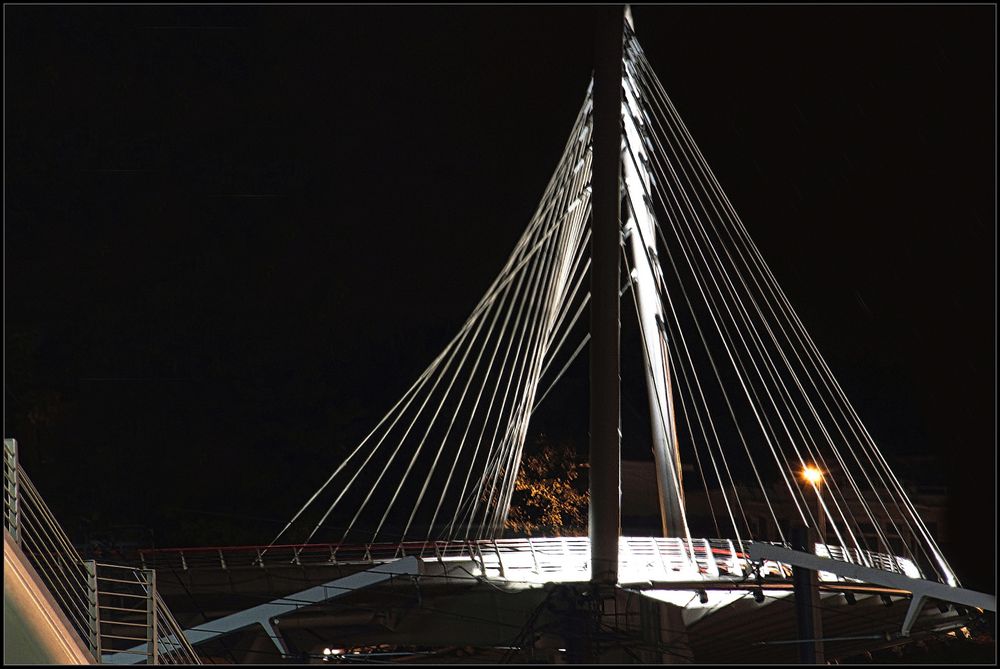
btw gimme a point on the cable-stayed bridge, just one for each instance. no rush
(404, 543)
(736, 384)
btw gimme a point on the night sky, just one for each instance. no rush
(233, 236)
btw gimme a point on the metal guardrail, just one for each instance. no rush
(225, 557)
(32, 526)
(10, 487)
(105, 604)
(891, 563)
(527, 559)
(132, 613)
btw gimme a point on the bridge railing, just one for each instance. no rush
(525, 559)
(883, 561)
(132, 615)
(228, 557)
(105, 604)
(34, 529)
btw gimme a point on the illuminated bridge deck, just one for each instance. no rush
(526, 561)
(718, 588)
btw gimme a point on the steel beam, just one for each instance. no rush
(267, 614)
(920, 589)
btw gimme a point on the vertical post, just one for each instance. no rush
(605, 423)
(806, 583)
(821, 518)
(11, 491)
(94, 618)
(152, 652)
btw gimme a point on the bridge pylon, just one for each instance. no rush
(605, 323)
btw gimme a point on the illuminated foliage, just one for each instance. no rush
(550, 497)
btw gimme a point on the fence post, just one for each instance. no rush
(11, 488)
(534, 556)
(151, 647)
(93, 609)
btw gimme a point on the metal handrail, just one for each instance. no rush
(518, 558)
(174, 647)
(134, 603)
(101, 609)
(32, 526)
(11, 487)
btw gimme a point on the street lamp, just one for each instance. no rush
(814, 476)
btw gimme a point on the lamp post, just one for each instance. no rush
(806, 581)
(814, 476)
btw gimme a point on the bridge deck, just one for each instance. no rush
(481, 593)
(527, 560)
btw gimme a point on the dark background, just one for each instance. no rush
(234, 235)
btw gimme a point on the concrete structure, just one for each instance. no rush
(35, 629)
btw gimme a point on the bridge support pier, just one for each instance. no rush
(664, 634)
(634, 629)
(602, 626)
(605, 381)
(807, 603)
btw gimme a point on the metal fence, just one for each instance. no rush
(133, 620)
(107, 605)
(526, 559)
(10, 487)
(32, 526)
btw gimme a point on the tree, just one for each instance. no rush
(550, 497)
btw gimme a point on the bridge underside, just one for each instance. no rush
(482, 620)
(448, 609)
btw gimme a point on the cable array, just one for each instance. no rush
(736, 383)
(757, 402)
(442, 462)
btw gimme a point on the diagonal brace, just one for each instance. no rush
(267, 614)
(920, 588)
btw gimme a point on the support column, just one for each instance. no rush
(605, 422)
(807, 603)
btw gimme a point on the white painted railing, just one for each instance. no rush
(529, 560)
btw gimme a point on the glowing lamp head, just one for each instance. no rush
(812, 475)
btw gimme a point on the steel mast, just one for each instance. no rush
(640, 237)
(605, 381)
